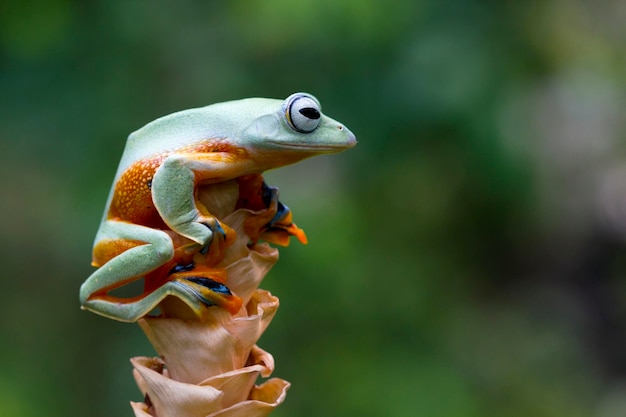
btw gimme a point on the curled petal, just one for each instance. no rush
(233, 389)
(245, 274)
(263, 400)
(237, 385)
(140, 409)
(260, 362)
(172, 398)
(261, 309)
(261, 357)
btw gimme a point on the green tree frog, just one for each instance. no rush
(153, 202)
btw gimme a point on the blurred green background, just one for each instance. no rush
(466, 259)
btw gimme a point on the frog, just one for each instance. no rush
(153, 218)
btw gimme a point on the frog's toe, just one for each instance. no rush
(221, 232)
(282, 211)
(182, 268)
(217, 228)
(211, 292)
(214, 226)
(211, 285)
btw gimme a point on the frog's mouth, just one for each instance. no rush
(318, 146)
(312, 147)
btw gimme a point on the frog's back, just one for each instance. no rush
(184, 129)
(203, 130)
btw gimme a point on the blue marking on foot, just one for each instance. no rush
(182, 268)
(212, 285)
(281, 212)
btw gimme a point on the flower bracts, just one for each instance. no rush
(208, 365)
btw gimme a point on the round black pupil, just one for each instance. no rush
(310, 113)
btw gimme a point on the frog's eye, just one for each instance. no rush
(302, 113)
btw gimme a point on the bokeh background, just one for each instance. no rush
(467, 259)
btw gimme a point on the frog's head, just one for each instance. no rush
(296, 129)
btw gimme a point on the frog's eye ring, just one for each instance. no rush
(302, 112)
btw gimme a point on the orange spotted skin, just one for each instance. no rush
(132, 197)
(107, 249)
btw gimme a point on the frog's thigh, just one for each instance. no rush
(131, 264)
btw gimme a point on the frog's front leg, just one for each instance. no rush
(174, 195)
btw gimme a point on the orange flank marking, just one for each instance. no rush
(107, 249)
(132, 198)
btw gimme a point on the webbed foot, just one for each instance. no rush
(209, 292)
(197, 283)
(272, 221)
(281, 226)
(222, 237)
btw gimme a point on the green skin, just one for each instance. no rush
(273, 133)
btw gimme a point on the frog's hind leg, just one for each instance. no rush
(125, 252)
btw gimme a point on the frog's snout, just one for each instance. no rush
(351, 138)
